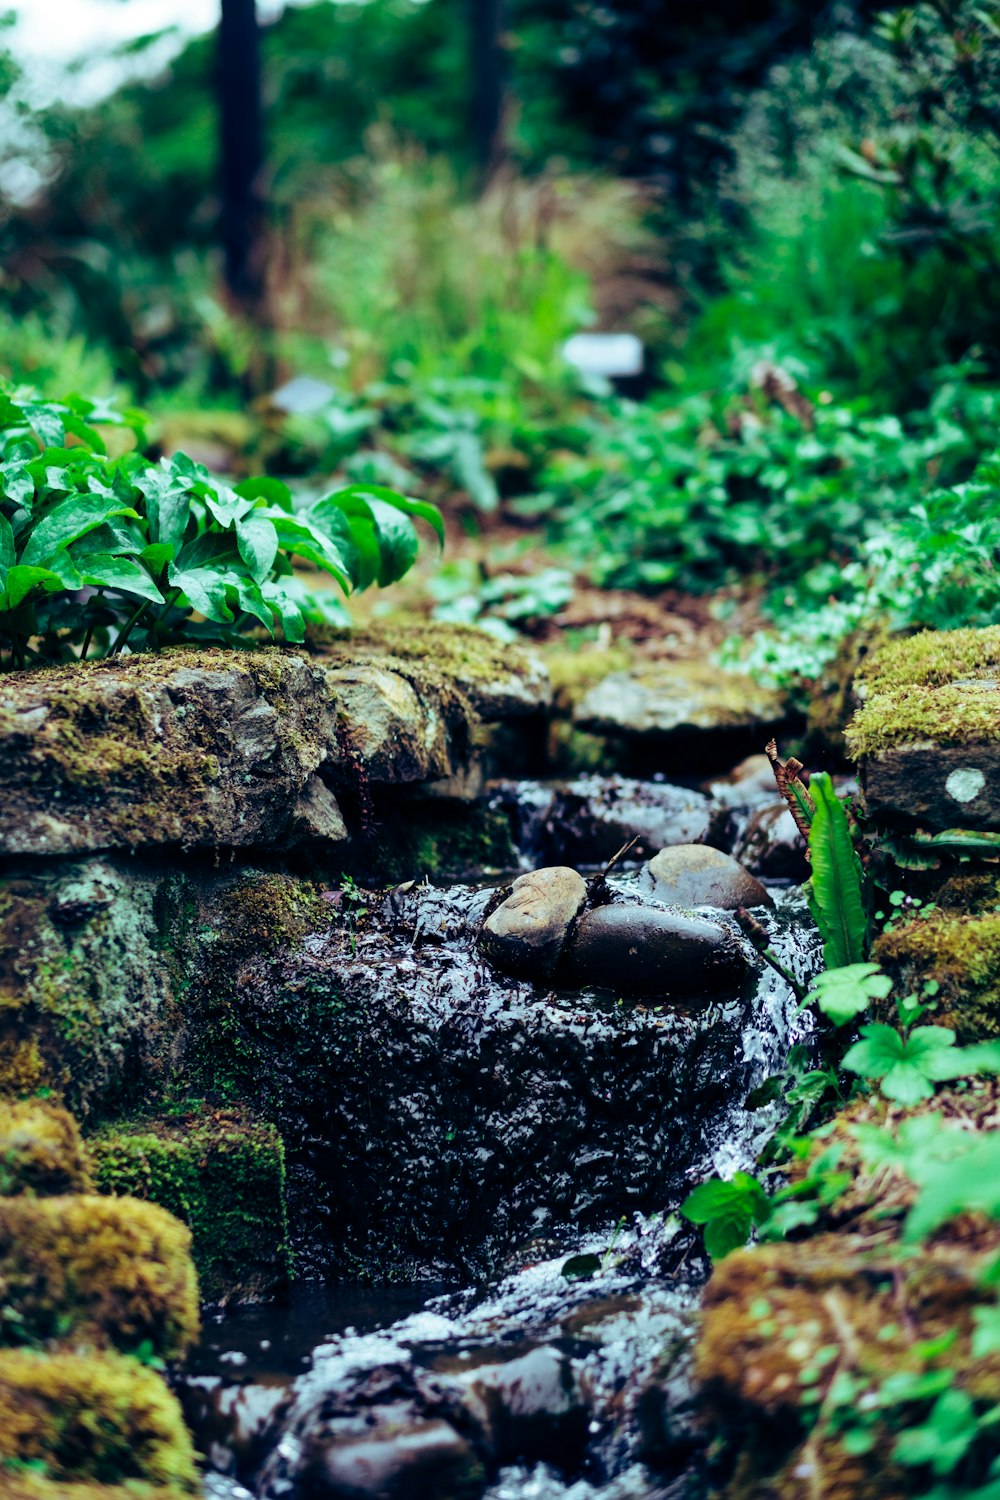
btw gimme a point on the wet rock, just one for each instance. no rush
(772, 847)
(693, 706)
(637, 949)
(529, 1408)
(587, 820)
(526, 933)
(749, 783)
(695, 875)
(396, 1458)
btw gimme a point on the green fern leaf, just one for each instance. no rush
(836, 890)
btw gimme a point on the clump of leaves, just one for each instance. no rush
(97, 552)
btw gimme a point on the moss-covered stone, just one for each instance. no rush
(197, 748)
(222, 1176)
(86, 987)
(962, 953)
(783, 1321)
(500, 680)
(931, 659)
(40, 1150)
(940, 686)
(93, 1418)
(112, 1271)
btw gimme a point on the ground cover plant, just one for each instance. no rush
(98, 553)
(917, 1407)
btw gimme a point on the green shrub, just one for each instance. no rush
(97, 552)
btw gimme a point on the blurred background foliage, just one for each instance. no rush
(795, 205)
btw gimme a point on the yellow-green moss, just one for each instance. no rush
(23, 1069)
(18, 1485)
(113, 1271)
(40, 1149)
(92, 1417)
(782, 1321)
(930, 660)
(952, 715)
(267, 913)
(439, 651)
(939, 686)
(222, 1176)
(573, 673)
(961, 952)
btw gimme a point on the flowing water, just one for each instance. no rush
(564, 1359)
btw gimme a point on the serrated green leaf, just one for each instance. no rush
(842, 994)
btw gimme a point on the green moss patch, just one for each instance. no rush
(90, 1418)
(444, 839)
(40, 1150)
(782, 1322)
(962, 953)
(223, 1177)
(110, 1271)
(929, 660)
(941, 687)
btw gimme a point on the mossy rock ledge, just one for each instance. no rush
(238, 749)
(927, 733)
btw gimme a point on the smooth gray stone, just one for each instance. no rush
(696, 875)
(526, 933)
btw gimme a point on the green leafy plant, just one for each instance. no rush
(837, 888)
(98, 552)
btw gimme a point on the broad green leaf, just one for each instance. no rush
(728, 1211)
(122, 573)
(168, 502)
(48, 421)
(969, 1181)
(251, 601)
(297, 536)
(226, 506)
(7, 551)
(836, 887)
(986, 1338)
(21, 581)
(156, 556)
(16, 483)
(421, 509)
(205, 590)
(260, 487)
(257, 541)
(287, 609)
(69, 520)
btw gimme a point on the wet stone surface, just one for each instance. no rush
(540, 1377)
(587, 820)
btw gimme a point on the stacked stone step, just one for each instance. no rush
(927, 740)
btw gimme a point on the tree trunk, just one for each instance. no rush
(242, 157)
(488, 84)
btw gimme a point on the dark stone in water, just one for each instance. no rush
(772, 846)
(395, 1457)
(636, 949)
